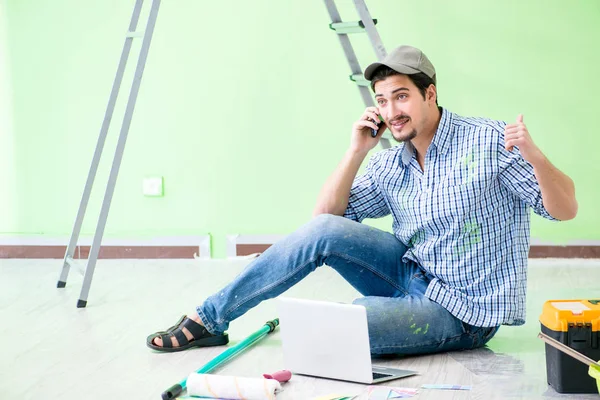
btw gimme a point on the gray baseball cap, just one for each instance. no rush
(405, 60)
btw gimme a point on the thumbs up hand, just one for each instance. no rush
(517, 135)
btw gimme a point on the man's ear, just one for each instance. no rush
(432, 93)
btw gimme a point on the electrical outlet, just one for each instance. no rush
(153, 186)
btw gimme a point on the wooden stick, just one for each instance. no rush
(567, 350)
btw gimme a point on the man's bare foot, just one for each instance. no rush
(194, 317)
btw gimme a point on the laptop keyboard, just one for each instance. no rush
(377, 375)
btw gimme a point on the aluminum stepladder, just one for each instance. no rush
(343, 29)
(68, 260)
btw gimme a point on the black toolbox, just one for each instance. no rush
(575, 323)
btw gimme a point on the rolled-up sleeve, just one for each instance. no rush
(366, 199)
(516, 174)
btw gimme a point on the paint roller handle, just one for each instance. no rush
(172, 392)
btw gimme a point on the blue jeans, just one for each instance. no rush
(401, 320)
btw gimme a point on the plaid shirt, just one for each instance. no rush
(465, 219)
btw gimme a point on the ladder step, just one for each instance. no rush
(134, 34)
(343, 28)
(360, 80)
(74, 264)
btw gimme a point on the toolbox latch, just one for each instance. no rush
(579, 335)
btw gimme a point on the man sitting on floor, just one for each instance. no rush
(459, 190)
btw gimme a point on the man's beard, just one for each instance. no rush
(410, 136)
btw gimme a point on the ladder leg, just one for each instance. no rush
(114, 172)
(365, 16)
(62, 280)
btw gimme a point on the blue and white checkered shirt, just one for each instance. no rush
(465, 218)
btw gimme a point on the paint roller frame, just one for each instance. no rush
(179, 388)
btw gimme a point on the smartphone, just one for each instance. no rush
(374, 131)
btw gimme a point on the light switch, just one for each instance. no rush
(153, 186)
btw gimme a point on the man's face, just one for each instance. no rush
(402, 106)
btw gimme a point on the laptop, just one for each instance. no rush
(329, 340)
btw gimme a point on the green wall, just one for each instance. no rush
(8, 204)
(245, 107)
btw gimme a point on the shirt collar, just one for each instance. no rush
(407, 153)
(441, 139)
(443, 135)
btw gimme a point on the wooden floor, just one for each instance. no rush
(52, 350)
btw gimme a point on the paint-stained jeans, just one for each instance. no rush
(401, 320)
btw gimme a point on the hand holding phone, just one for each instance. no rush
(374, 131)
(365, 130)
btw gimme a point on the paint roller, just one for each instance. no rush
(222, 358)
